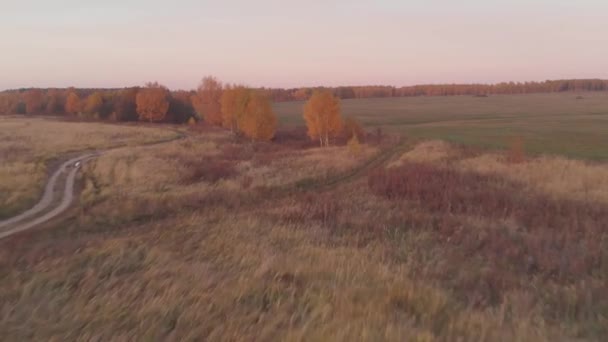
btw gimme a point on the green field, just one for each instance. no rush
(548, 123)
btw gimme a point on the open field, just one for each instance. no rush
(28, 146)
(549, 123)
(214, 238)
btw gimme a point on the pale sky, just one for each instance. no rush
(116, 43)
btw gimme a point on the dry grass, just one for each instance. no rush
(427, 151)
(557, 176)
(305, 164)
(152, 253)
(27, 145)
(551, 175)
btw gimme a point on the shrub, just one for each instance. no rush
(354, 147)
(208, 170)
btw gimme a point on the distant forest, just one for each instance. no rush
(183, 105)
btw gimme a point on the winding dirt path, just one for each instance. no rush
(48, 208)
(30, 217)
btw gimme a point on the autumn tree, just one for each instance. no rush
(33, 101)
(234, 105)
(207, 100)
(94, 104)
(54, 102)
(259, 121)
(322, 116)
(152, 102)
(72, 103)
(125, 107)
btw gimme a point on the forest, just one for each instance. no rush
(204, 103)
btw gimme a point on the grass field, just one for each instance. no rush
(549, 123)
(212, 237)
(27, 146)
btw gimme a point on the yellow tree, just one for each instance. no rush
(322, 116)
(152, 102)
(207, 100)
(93, 104)
(234, 105)
(259, 121)
(72, 103)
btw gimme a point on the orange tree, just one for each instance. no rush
(207, 100)
(322, 116)
(259, 121)
(152, 102)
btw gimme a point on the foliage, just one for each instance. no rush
(125, 107)
(480, 90)
(207, 100)
(94, 104)
(54, 102)
(322, 116)
(180, 107)
(259, 121)
(33, 101)
(72, 103)
(352, 128)
(229, 107)
(152, 103)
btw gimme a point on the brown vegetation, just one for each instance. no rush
(420, 251)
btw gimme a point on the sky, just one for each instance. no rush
(272, 43)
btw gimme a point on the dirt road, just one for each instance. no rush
(47, 208)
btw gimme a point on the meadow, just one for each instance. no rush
(567, 124)
(29, 146)
(212, 237)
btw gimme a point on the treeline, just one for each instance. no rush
(245, 111)
(356, 92)
(99, 104)
(156, 103)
